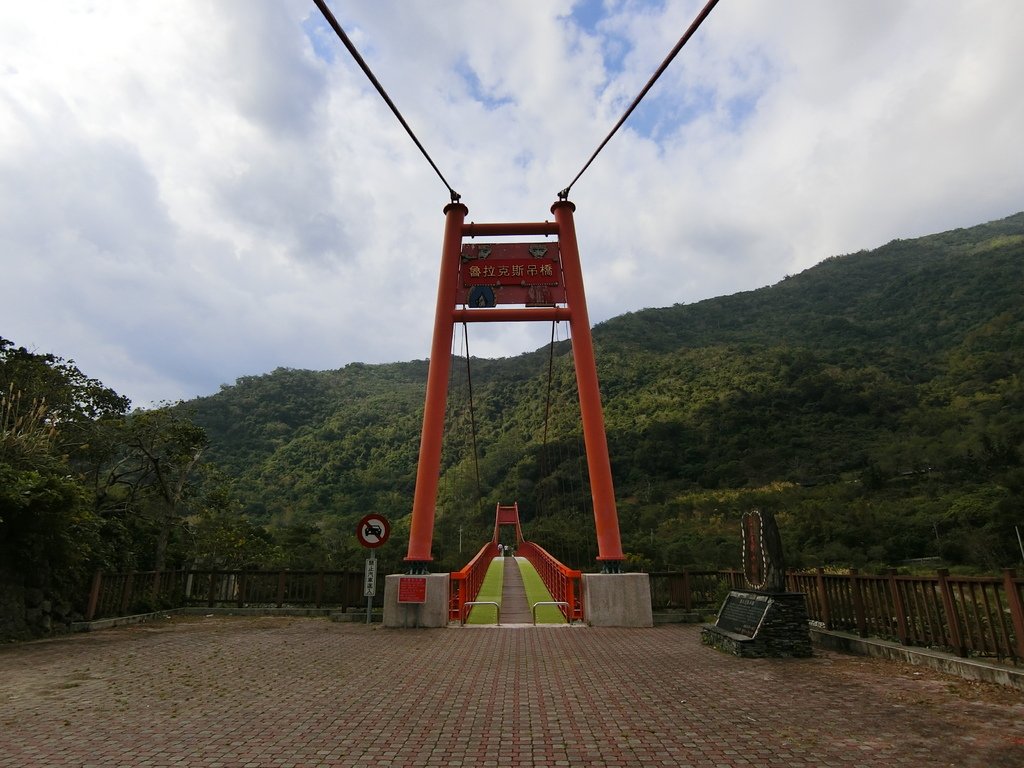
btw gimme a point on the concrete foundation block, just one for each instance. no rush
(431, 613)
(617, 600)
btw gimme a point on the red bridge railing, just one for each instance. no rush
(564, 583)
(464, 585)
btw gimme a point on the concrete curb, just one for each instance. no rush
(678, 617)
(122, 621)
(141, 618)
(969, 669)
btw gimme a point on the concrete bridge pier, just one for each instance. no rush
(400, 612)
(617, 600)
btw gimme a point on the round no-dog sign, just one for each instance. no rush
(373, 530)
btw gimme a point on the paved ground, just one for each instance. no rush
(277, 692)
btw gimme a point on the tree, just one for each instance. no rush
(153, 471)
(74, 402)
(47, 530)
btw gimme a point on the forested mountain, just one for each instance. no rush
(874, 402)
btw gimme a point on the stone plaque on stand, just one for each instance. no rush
(764, 620)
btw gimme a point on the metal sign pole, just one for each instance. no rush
(373, 530)
(370, 585)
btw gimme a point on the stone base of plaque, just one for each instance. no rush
(617, 600)
(432, 612)
(761, 624)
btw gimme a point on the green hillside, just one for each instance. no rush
(873, 401)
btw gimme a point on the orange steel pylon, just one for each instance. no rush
(542, 300)
(507, 514)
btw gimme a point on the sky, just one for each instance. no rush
(197, 191)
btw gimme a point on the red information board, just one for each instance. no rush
(412, 589)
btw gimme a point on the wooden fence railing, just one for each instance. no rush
(688, 590)
(122, 594)
(967, 615)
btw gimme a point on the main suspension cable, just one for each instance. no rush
(564, 194)
(380, 89)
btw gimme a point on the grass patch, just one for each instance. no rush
(494, 579)
(536, 592)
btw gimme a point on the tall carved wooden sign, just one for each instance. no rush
(763, 566)
(765, 619)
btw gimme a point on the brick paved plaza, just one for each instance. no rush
(275, 692)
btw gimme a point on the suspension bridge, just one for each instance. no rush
(554, 599)
(514, 282)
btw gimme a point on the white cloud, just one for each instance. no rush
(194, 192)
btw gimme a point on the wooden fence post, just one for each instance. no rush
(1016, 610)
(858, 603)
(687, 594)
(155, 592)
(898, 607)
(952, 617)
(126, 592)
(320, 588)
(175, 588)
(189, 578)
(826, 614)
(94, 595)
(280, 588)
(240, 586)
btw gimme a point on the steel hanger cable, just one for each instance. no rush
(472, 421)
(564, 194)
(380, 89)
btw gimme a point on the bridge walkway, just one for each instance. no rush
(506, 585)
(514, 606)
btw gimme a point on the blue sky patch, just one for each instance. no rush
(661, 114)
(325, 43)
(586, 14)
(590, 16)
(476, 89)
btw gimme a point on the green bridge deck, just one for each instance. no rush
(515, 585)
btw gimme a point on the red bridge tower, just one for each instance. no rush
(477, 283)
